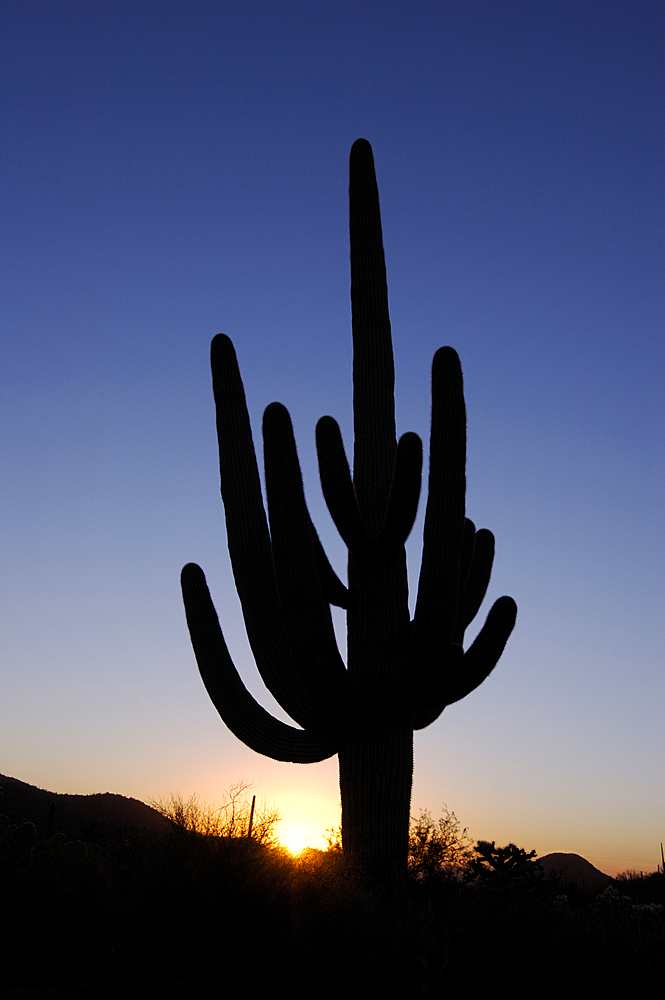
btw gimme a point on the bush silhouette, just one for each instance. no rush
(438, 847)
(233, 819)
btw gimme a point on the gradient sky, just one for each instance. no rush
(171, 170)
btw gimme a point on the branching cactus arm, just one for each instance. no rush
(305, 612)
(292, 677)
(241, 713)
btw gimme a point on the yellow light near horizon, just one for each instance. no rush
(295, 839)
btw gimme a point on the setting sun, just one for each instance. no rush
(295, 839)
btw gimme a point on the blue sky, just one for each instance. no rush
(172, 170)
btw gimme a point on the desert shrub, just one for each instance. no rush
(230, 820)
(643, 887)
(438, 846)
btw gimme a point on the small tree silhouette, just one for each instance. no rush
(504, 867)
(400, 674)
(437, 846)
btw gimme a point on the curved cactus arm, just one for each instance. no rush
(338, 490)
(339, 493)
(334, 590)
(249, 539)
(242, 714)
(443, 533)
(477, 581)
(462, 677)
(431, 702)
(373, 364)
(404, 495)
(306, 615)
(435, 618)
(483, 655)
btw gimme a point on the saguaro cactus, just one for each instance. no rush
(400, 673)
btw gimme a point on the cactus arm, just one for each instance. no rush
(476, 566)
(239, 474)
(373, 365)
(483, 655)
(464, 674)
(443, 533)
(477, 581)
(340, 497)
(338, 490)
(249, 539)
(404, 495)
(433, 700)
(334, 590)
(305, 612)
(241, 713)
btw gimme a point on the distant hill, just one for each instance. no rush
(78, 815)
(574, 868)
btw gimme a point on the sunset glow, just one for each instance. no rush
(295, 839)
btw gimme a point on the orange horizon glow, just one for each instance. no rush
(295, 839)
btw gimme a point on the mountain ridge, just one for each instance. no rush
(75, 814)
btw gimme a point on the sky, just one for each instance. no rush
(172, 170)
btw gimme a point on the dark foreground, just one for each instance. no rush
(176, 914)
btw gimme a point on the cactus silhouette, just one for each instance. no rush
(400, 673)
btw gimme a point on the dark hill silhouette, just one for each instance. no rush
(76, 814)
(575, 869)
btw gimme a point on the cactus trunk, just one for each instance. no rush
(375, 775)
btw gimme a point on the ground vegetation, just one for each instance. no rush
(174, 914)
